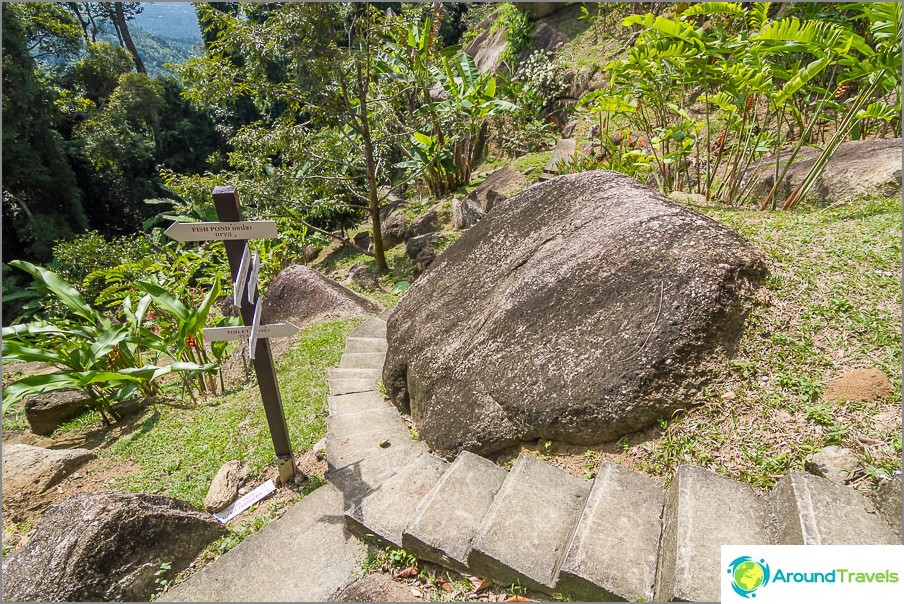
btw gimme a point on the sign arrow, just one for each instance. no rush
(255, 324)
(273, 330)
(252, 278)
(222, 231)
(238, 286)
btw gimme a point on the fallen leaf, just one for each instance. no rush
(518, 599)
(384, 443)
(407, 573)
(483, 585)
(447, 587)
(728, 395)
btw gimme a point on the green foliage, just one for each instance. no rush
(518, 29)
(757, 79)
(40, 200)
(94, 354)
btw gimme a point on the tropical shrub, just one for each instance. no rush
(105, 359)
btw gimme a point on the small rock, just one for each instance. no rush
(29, 471)
(568, 129)
(363, 277)
(835, 463)
(426, 223)
(310, 253)
(689, 198)
(319, 449)
(465, 213)
(45, 412)
(394, 229)
(860, 385)
(423, 250)
(362, 240)
(225, 486)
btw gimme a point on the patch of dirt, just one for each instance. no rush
(860, 385)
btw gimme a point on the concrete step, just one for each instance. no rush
(525, 533)
(357, 480)
(811, 510)
(386, 511)
(365, 422)
(302, 557)
(339, 386)
(346, 373)
(615, 548)
(363, 360)
(354, 344)
(357, 402)
(447, 519)
(887, 499)
(702, 512)
(371, 328)
(344, 450)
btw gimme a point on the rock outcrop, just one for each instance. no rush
(858, 168)
(581, 309)
(107, 546)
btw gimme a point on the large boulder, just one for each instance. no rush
(581, 309)
(107, 546)
(501, 184)
(302, 295)
(46, 412)
(29, 471)
(489, 45)
(858, 168)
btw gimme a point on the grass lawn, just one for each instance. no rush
(180, 447)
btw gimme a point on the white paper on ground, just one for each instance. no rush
(246, 501)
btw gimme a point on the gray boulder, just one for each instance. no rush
(302, 295)
(224, 487)
(107, 546)
(500, 185)
(423, 250)
(858, 168)
(46, 412)
(465, 213)
(580, 310)
(29, 471)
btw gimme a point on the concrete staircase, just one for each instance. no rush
(621, 536)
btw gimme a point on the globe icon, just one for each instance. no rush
(748, 575)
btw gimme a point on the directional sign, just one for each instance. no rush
(222, 231)
(238, 286)
(252, 278)
(273, 330)
(255, 326)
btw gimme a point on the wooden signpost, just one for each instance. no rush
(245, 268)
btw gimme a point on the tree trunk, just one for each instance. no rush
(119, 20)
(363, 84)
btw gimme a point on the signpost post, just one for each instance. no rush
(244, 268)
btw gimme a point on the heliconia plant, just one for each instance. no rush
(91, 352)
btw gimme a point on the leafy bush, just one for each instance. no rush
(517, 27)
(105, 359)
(75, 259)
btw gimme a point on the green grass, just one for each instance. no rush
(180, 447)
(834, 304)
